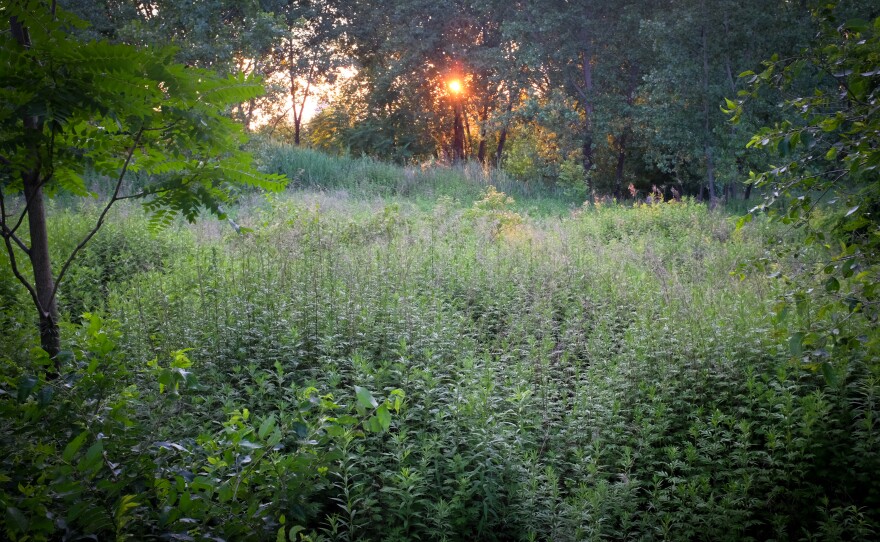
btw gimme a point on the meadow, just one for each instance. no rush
(426, 356)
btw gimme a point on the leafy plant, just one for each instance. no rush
(72, 108)
(826, 184)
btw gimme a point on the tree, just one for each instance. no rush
(829, 154)
(698, 48)
(306, 53)
(71, 109)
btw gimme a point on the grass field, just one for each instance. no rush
(383, 367)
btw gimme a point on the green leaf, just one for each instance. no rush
(832, 285)
(857, 25)
(40, 357)
(266, 427)
(225, 492)
(830, 374)
(92, 459)
(373, 425)
(784, 146)
(796, 344)
(16, 520)
(295, 530)
(126, 503)
(365, 398)
(384, 417)
(73, 446)
(26, 385)
(807, 139)
(347, 420)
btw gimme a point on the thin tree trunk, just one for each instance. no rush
(499, 151)
(296, 114)
(249, 115)
(481, 150)
(586, 94)
(707, 147)
(44, 284)
(621, 158)
(502, 136)
(467, 128)
(298, 105)
(624, 138)
(457, 132)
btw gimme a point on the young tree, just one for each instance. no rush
(70, 108)
(828, 151)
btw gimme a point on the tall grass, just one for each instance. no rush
(368, 177)
(604, 374)
(598, 372)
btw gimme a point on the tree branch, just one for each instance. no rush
(103, 215)
(10, 251)
(6, 233)
(143, 194)
(27, 204)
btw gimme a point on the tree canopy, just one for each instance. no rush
(71, 108)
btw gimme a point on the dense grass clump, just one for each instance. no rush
(613, 373)
(368, 177)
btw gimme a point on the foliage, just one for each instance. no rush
(374, 357)
(103, 451)
(607, 378)
(125, 113)
(495, 208)
(366, 177)
(72, 108)
(827, 184)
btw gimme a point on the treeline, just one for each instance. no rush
(591, 95)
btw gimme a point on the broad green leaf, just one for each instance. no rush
(266, 427)
(92, 459)
(832, 285)
(830, 374)
(16, 520)
(365, 398)
(796, 344)
(857, 25)
(26, 385)
(384, 417)
(373, 425)
(73, 446)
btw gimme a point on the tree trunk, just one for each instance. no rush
(707, 146)
(457, 132)
(249, 115)
(499, 151)
(502, 136)
(44, 284)
(297, 121)
(586, 94)
(621, 158)
(481, 150)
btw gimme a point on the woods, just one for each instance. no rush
(343, 270)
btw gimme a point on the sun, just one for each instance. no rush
(455, 86)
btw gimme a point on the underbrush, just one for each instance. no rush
(611, 374)
(366, 177)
